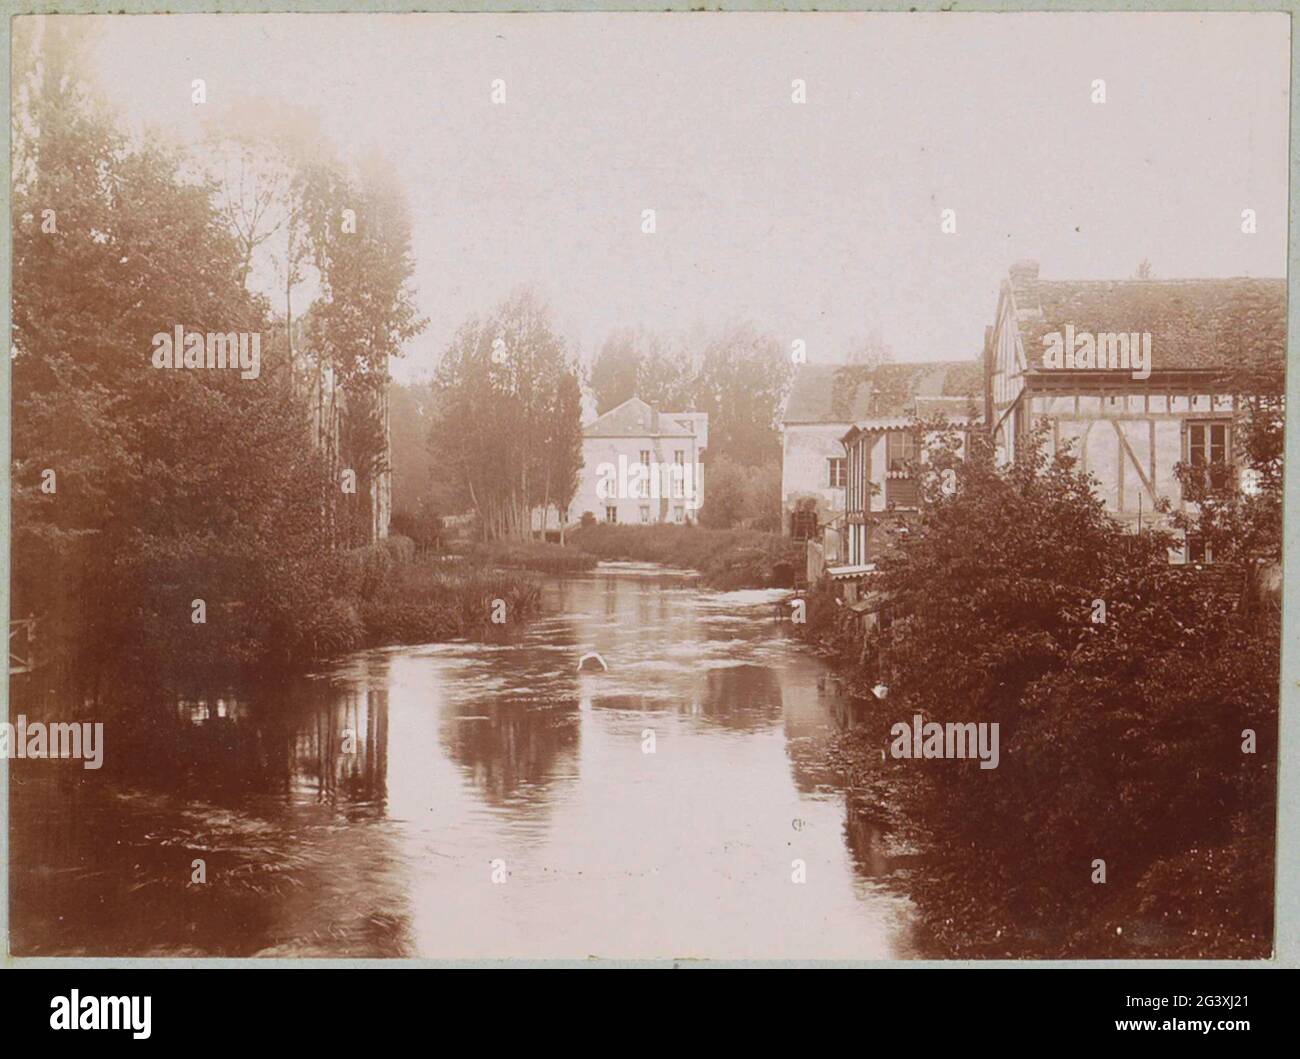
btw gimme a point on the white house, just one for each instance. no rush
(824, 401)
(641, 465)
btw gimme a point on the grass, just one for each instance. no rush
(424, 602)
(385, 595)
(538, 556)
(726, 559)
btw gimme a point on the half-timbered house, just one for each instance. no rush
(1136, 375)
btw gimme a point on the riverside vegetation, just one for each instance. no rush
(1132, 813)
(726, 559)
(168, 526)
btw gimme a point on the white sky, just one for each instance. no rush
(816, 221)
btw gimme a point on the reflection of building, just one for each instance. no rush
(641, 465)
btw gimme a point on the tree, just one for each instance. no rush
(634, 362)
(564, 447)
(614, 373)
(259, 156)
(1121, 686)
(365, 315)
(743, 378)
(500, 421)
(169, 485)
(738, 495)
(870, 352)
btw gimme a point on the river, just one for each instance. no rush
(475, 800)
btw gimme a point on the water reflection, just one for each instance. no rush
(472, 799)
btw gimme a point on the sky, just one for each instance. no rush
(818, 221)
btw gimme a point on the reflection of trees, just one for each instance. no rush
(812, 715)
(638, 703)
(328, 741)
(251, 783)
(742, 697)
(341, 752)
(102, 872)
(509, 748)
(865, 836)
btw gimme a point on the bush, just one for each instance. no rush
(332, 629)
(1120, 739)
(540, 556)
(742, 495)
(429, 602)
(726, 559)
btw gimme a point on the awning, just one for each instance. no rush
(848, 573)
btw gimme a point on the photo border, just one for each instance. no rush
(1286, 932)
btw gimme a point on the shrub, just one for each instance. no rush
(540, 556)
(725, 558)
(1120, 739)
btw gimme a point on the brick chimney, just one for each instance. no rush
(1023, 272)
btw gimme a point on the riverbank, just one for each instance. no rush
(202, 625)
(725, 559)
(389, 596)
(459, 754)
(1075, 845)
(538, 556)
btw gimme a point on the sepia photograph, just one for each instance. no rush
(613, 487)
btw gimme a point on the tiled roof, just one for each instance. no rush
(1194, 323)
(955, 408)
(845, 393)
(635, 418)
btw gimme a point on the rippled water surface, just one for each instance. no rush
(365, 810)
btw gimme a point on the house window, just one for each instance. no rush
(645, 513)
(611, 514)
(679, 457)
(645, 457)
(902, 449)
(1196, 550)
(1207, 450)
(838, 472)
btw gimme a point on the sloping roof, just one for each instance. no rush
(955, 408)
(845, 393)
(1194, 323)
(635, 418)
